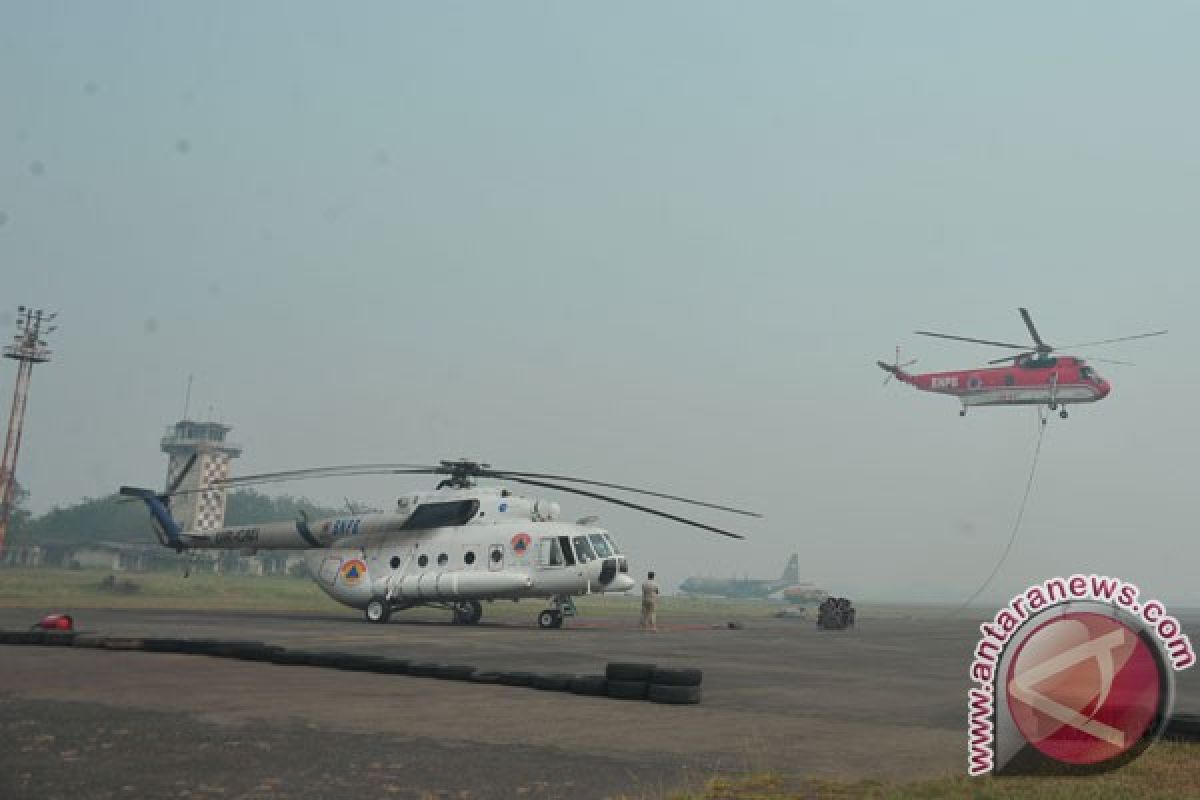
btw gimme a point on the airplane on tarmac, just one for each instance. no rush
(451, 548)
(749, 587)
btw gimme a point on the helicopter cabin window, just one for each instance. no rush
(568, 555)
(600, 545)
(469, 557)
(442, 559)
(395, 562)
(549, 552)
(442, 515)
(583, 549)
(423, 561)
(497, 555)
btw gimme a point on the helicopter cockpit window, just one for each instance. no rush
(1087, 374)
(600, 545)
(611, 543)
(549, 553)
(442, 515)
(583, 550)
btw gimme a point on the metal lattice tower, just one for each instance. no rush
(28, 348)
(201, 445)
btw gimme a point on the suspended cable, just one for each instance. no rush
(1037, 451)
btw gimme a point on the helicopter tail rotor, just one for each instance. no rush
(896, 369)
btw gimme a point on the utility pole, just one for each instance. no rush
(28, 348)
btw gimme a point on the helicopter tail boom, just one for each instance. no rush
(166, 527)
(895, 371)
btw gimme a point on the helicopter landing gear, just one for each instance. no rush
(963, 411)
(564, 606)
(378, 611)
(468, 612)
(1063, 413)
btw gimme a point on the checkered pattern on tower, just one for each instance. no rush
(210, 508)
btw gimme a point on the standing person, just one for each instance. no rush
(650, 603)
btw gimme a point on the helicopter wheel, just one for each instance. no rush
(550, 619)
(1063, 413)
(378, 611)
(962, 413)
(468, 612)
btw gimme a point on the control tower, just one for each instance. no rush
(203, 446)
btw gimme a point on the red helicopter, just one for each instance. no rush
(1035, 376)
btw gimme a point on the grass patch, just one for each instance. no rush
(1169, 770)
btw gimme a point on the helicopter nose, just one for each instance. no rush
(1105, 388)
(621, 583)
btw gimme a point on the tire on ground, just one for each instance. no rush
(454, 672)
(89, 640)
(290, 658)
(594, 685)
(676, 695)
(122, 643)
(553, 681)
(629, 671)
(425, 669)
(1183, 727)
(627, 690)
(517, 678)
(59, 638)
(677, 677)
(485, 677)
(359, 663)
(325, 658)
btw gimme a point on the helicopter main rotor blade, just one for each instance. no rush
(627, 504)
(509, 474)
(1033, 331)
(974, 341)
(266, 478)
(1112, 361)
(1110, 341)
(316, 472)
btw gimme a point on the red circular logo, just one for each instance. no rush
(1084, 688)
(520, 543)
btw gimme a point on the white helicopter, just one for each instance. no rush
(451, 548)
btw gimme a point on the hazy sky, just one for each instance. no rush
(660, 244)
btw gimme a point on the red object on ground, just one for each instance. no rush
(57, 622)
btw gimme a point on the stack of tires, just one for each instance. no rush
(835, 614)
(631, 681)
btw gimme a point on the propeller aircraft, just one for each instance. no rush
(1037, 375)
(451, 548)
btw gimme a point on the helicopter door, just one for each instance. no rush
(496, 557)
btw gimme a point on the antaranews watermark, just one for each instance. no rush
(1074, 675)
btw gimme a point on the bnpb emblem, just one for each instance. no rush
(520, 543)
(353, 571)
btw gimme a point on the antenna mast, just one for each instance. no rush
(28, 348)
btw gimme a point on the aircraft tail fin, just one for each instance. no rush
(896, 369)
(165, 527)
(791, 573)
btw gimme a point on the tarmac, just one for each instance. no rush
(887, 699)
